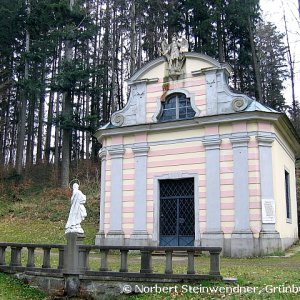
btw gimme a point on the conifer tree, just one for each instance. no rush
(72, 77)
(273, 65)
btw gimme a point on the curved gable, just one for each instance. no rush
(157, 68)
(202, 78)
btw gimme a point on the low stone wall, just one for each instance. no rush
(52, 285)
(72, 276)
(89, 287)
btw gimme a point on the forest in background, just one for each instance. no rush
(63, 66)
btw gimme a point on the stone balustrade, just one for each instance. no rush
(80, 260)
(16, 251)
(146, 255)
(71, 275)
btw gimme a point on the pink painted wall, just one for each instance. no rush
(187, 157)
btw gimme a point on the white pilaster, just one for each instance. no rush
(140, 193)
(241, 182)
(266, 173)
(242, 242)
(115, 234)
(269, 237)
(213, 236)
(101, 234)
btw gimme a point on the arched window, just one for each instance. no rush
(176, 106)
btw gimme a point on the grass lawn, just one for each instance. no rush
(13, 289)
(264, 274)
(40, 231)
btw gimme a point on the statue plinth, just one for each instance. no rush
(79, 237)
(174, 74)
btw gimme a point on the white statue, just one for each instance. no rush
(77, 211)
(174, 53)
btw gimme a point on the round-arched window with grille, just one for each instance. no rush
(177, 106)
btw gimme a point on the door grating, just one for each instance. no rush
(177, 212)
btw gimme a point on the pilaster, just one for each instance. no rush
(213, 236)
(269, 237)
(100, 235)
(115, 235)
(242, 243)
(241, 183)
(266, 175)
(140, 234)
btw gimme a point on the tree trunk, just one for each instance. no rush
(86, 136)
(98, 81)
(255, 62)
(14, 133)
(220, 42)
(3, 129)
(58, 131)
(220, 32)
(57, 138)
(171, 20)
(67, 113)
(133, 42)
(50, 113)
(40, 138)
(23, 103)
(292, 70)
(112, 100)
(30, 130)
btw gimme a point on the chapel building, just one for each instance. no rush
(189, 162)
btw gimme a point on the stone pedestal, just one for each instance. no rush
(242, 244)
(80, 238)
(139, 238)
(72, 254)
(115, 238)
(269, 242)
(100, 236)
(74, 263)
(212, 239)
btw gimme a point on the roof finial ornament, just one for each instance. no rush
(174, 53)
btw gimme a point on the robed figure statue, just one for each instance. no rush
(174, 53)
(77, 211)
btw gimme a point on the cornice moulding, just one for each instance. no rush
(190, 123)
(116, 151)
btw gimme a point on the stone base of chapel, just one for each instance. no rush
(212, 239)
(270, 242)
(240, 244)
(113, 238)
(244, 244)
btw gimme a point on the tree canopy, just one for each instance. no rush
(64, 63)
